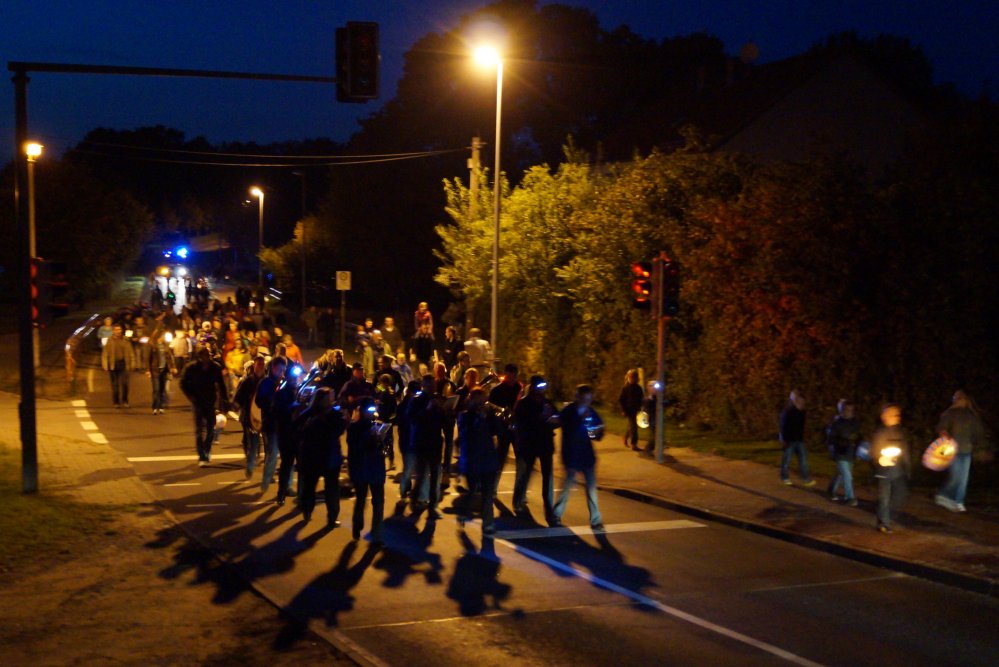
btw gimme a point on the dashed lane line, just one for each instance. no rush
(82, 414)
(89, 426)
(98, 438)
(565, 531)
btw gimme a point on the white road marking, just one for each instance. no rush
(893, 575)
(451, 619)
(666, 609)
(82, 414)
(89, 426)
(78, 404)
(564, 531)
(98, 438)
(191, 457)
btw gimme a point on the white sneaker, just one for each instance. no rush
(960, 507)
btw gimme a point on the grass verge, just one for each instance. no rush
(40, 527)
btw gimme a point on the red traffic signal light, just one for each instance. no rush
(357, 62)
(641, 284)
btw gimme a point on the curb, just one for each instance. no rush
(933, 573)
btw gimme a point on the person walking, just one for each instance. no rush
(118, 359)
(406, 443)
(890, 456)
(243, 398)
(792, 439)
(631, 399)
(478, 459)
(319, 431)
(535, 420)
(581, 425)
(263, 398)
(505, 395)
(204, 386)
(366, 468)
(842, 438)
(160, 367)
(426, 423)
(961, 423)
(480, 354)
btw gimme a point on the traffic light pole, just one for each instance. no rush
(661, 320)
(26, 329)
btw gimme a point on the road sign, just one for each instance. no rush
(343, 281)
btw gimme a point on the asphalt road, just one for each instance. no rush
(657, 589)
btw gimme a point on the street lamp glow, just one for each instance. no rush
(487, 56)
(33, 150)
(256, 192)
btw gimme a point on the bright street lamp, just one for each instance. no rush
(489, 56)
(258, 193)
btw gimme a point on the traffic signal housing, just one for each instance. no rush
(641, 285)
(39, 292)
(669, 300)
(57, 290)
(357, 62)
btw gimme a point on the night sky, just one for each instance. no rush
(296, 37)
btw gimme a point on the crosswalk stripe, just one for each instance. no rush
(78, 404)
(89, 426)
(98, 438)
(82, 414)
(565, 531)
(191, 457)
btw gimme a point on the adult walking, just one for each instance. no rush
(478, 461)
(535, 420)
(366, 468)
(320, 428)
(426, 423)
(792, 439)
(204, 386)
(890, 455)
(160, 368)
(962, 424)
(631, 399)
(118, 359)
(580, 426)
(245, 391)
(505, 396)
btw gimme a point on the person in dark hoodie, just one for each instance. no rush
(319, 430)
(366, 467)
(890, 455)
(842, 437)
(580, 426)
(792, 438)
(961, 423)
(478, 461)
(204, 386)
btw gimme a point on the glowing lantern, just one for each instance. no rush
(940, 454)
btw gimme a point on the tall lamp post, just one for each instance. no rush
(486, 55)
(257, 192)
(301, 174)
(33, 151)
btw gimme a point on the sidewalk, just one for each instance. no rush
(928, 541)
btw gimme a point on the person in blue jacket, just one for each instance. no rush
(366, 468)
(580, 426)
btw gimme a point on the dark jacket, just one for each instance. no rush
(354, 390)
(204, 387)
(964, 426)
(842, 437)
(577, 448)
(337, 376)
(319, 439)
(535, 434)
(244, 395)
(266, 390)
(792, 425)
(631, 399)
(477, 444)
(154, 359)
(365, 461)
(426, 424)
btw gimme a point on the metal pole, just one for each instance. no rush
(260, 245)
(494, 310)
(36, 343)
(26, 408)
(343, 319)
(304, 296)
(661, 321)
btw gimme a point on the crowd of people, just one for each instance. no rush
(888, 450)
(441, 410)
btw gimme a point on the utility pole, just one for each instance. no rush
(661, 320)
(301, 174)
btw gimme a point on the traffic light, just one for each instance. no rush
(641, 285)
(357, 61)
(39, 285)
(670, 298)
